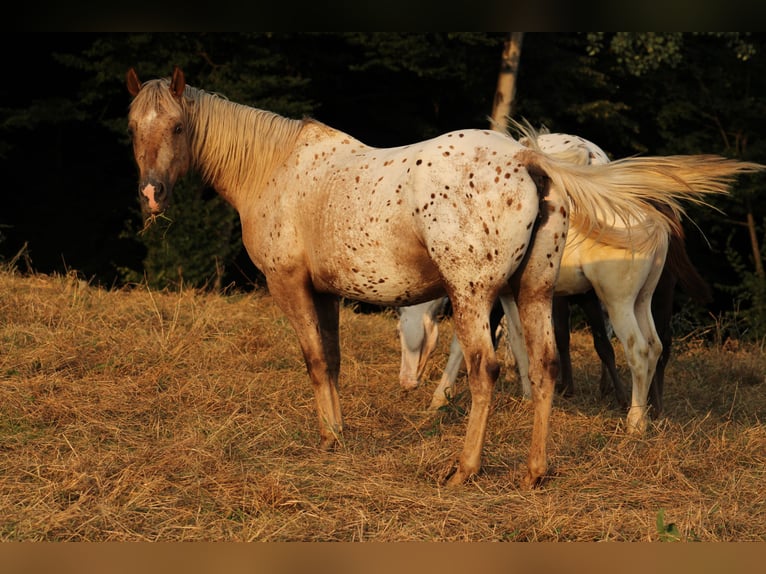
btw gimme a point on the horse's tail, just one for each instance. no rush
(616, 203)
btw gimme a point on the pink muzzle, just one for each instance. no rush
(152, 194)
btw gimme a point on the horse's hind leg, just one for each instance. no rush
(637, 415)
(634, 327)
(534, 284)
(315, 318)
(662, 311)
(446, 388)
(653, 343)
(471, 319)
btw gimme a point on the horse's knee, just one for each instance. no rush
(551, 368)
(486, 366)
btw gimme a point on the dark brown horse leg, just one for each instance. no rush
(315, 318)
(565, 384)
(662, 311)
(591, 306)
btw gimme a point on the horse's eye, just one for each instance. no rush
(178, 129)
(130, 134)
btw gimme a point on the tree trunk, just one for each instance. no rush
(506, 82)
(759, 272)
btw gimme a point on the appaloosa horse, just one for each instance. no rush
(471, 214)
(591, 273)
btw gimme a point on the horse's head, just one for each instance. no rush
(157, 127)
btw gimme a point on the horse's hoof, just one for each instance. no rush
(409, 384)
(529, 482)
(327, 444)
(532, 480)
(457, 475)
(457, 478)
(637, 423)
(436, 405)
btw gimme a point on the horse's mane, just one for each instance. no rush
(232, 144)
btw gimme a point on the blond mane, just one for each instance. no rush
(233, 145)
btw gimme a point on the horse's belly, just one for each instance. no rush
(380, 278)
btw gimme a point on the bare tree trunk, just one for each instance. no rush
(741, 142)
(759, 272)
(506, 81)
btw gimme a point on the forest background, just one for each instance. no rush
(70, 201)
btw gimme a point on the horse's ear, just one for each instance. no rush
(177, 83)
(134, 84)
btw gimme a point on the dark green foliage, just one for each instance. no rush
(667, 532)
(63, 115)
(192, 244)
(747, 318)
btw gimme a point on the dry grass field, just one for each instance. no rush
(133, 415)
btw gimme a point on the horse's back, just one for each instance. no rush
(558, 143)
(390, 225)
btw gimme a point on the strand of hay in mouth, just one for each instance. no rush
(152, 219)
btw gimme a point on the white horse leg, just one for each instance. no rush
(653, 343)
(643, 310)
(516, 344)
(446, 388)
(636, 348)
(418, 333)
(632, 321)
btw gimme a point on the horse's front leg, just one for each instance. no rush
(445, 390)
(418, 334)
(315, 318)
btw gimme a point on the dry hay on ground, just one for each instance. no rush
(137, 415)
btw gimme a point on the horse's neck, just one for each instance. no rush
(236, 147)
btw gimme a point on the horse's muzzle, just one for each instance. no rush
(153, 195)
